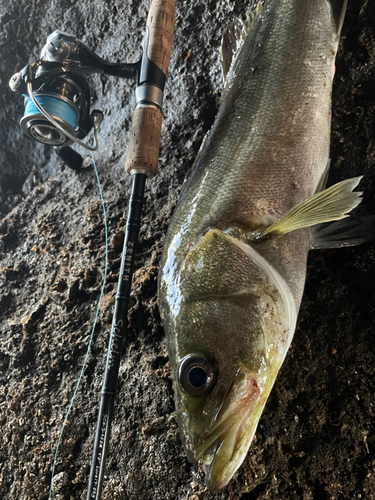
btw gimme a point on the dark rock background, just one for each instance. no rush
(316, 439)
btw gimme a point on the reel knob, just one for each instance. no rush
(15, 82)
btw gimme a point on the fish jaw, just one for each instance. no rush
(224, 446)
(231, 430)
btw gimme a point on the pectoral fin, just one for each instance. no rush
(331, 204)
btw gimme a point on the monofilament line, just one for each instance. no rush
(93, 328)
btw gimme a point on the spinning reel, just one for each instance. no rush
(57, 94)
(57, 113)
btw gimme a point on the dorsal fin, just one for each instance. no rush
(324, 178)
(338, 10)
(234, 37)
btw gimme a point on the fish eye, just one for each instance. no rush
(197, 375)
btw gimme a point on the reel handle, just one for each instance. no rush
(144, 141)
(71, 158)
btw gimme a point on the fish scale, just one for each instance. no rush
(259, 146)
(233, 268)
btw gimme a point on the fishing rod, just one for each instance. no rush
(57, 112)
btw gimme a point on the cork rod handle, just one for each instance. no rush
(144, 141)
(160, 22)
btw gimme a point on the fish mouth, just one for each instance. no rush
(225, 445)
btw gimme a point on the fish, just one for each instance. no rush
(233, 267)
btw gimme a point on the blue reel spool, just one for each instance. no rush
(36, 126)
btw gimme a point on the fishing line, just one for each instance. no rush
(93, 328)
(61, 72)
(53, 106)
(64, 130)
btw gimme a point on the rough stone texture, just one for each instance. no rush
(316, 439)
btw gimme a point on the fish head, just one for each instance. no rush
(228, 324)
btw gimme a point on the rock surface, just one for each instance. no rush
(316, 438)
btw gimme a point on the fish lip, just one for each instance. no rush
(217, 478)
(221, 447)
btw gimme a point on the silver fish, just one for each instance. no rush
(233, 268)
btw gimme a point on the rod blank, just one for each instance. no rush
(119, 326)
